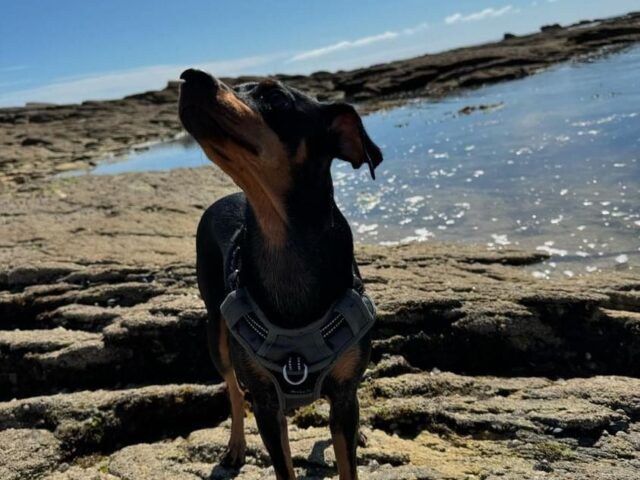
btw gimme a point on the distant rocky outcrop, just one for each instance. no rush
(70, 137)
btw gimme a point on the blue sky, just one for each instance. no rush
(71, 50)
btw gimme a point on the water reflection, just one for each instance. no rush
(181, 153)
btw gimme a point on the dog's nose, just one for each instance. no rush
(199, 78)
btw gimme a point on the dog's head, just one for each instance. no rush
(272, 139)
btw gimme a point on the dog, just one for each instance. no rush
(275, 263)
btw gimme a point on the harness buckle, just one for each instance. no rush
(296, 367)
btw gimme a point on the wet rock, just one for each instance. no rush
(469, 109)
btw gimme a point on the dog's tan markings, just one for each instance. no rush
(234, 103)
(342, 457)
(301, 153)
(223, 345)
(260, 372)
(345, 367)
(264, 178)
(237, 446)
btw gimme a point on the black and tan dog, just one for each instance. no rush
(277, 144)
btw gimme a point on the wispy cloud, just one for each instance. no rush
(358, 43)
(12, 68)
(105, 85)
(477, 16)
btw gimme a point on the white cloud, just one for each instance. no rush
(360, 42)
(417, 29)
(116, 84)
(105, 85)
(477, 16)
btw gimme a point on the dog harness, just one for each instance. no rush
(297, 359)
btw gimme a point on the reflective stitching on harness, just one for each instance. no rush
(335, 320)
(332, 326)
(256, 325)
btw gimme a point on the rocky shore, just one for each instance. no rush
(39, 140)
(479, 370)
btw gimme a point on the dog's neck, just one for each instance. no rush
(296, 281)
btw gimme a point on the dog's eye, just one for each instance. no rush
(278, 100)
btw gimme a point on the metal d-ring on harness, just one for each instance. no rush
(287, 367)
(297, 359)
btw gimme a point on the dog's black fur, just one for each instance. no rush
(277, 144)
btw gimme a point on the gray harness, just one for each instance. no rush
(299, 359)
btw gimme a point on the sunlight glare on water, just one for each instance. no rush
(550, 162)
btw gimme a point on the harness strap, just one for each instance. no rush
(299, 359)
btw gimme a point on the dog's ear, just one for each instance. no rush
(349, 140)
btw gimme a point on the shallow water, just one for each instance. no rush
(549, 162)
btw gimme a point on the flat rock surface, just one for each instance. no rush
(478, 371)
(38, 141)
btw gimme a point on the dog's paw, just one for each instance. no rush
(363, 441)
(234, 456)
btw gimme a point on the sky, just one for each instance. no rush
(67, 51)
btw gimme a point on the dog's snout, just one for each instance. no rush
(199, 78)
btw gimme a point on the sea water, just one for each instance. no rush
(550, 162)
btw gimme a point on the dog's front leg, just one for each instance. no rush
(273, 429)
(343, 421)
